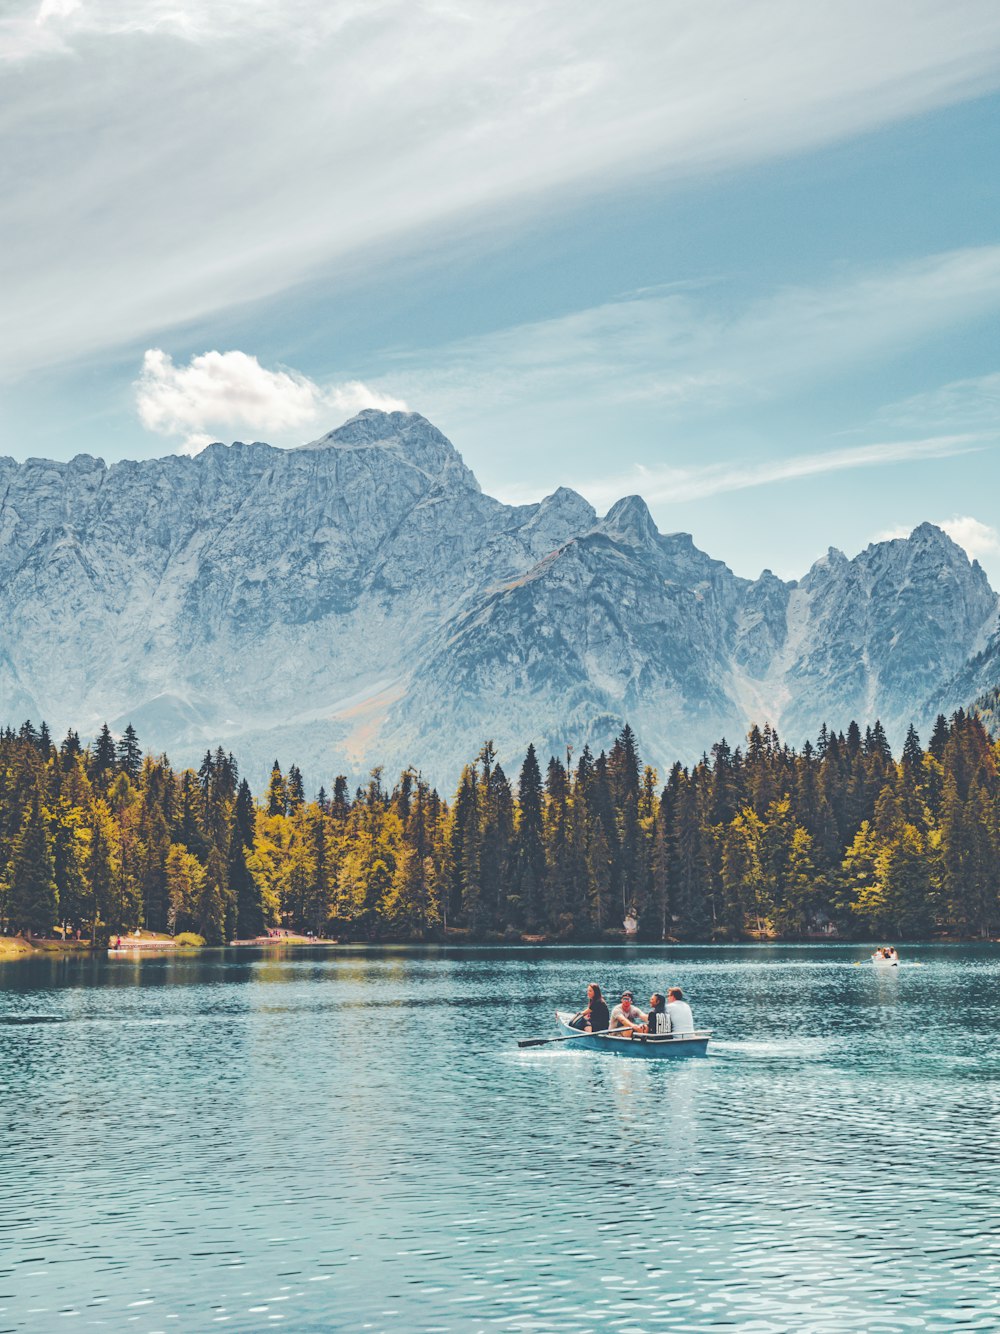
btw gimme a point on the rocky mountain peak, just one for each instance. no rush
(931, 534)
(629, 520)
(406, 435)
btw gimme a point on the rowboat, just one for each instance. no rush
(640, 1044)
(880, 961)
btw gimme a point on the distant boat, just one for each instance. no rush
(887, 958)
(140, 945)
(642, 1044)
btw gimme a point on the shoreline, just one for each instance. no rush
(13, 948)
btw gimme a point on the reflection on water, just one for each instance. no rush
(354, 1141)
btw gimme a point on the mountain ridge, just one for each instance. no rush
(359, 600)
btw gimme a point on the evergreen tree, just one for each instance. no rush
(129, 754)
(68, 856)
(277, 793)
(295, 790)
(100, 873)
(529, 858)
(103, 757)
(33, 903)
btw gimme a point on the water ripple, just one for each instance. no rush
(355, 1142)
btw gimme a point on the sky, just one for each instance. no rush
(741, 257)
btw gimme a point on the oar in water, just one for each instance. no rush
(541, 1042)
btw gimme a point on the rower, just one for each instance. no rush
(627, 1016)
(679, 1012)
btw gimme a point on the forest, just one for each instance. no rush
(757, 842)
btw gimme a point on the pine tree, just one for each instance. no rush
(129, 753)
(529, 866)
(68, 854)
(100, 873)
(33, 903)
(103, 757)
(212, 909)
(466, 901)
(277, 793)
(295, 789)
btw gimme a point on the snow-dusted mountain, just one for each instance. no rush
(360, 601)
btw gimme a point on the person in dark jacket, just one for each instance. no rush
(595, 1018)
(657, 1023)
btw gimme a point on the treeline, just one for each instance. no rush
(757, 841)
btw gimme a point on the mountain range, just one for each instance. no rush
(360, 601)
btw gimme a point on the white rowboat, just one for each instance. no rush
(880, 961)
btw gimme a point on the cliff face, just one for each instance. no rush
(360, 601)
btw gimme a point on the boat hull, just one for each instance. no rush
(641, 1046)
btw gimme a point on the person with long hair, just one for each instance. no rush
(595, 1017)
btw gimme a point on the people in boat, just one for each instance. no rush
(594, 1018)
(657, 1021)
(679, 1012)
(627, 1016)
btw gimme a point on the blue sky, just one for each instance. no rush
(741, 258)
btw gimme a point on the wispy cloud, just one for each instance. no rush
(60, 26)
(267, 140)
(218, 393)
(694, 351)
(677, 484)
(969, 404)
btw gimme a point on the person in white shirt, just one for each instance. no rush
(679, 1012)
(626, 1015)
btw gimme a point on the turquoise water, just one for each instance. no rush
(354, 1141)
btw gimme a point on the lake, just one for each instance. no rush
(352, 1140)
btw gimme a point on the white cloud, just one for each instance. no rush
(352, 396)
(678, 484)
(223, 392)
(978, 539)
(268, 140)
(894, 534)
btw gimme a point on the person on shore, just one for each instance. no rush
(679, 1012)
(625, 1015)
(594, 1018)
(657, 1022)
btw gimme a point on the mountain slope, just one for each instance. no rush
(359, 600)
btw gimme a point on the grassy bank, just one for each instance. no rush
(16, 947)
(13, 947)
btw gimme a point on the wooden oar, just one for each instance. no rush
(541, 1042)
(619, 1032)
